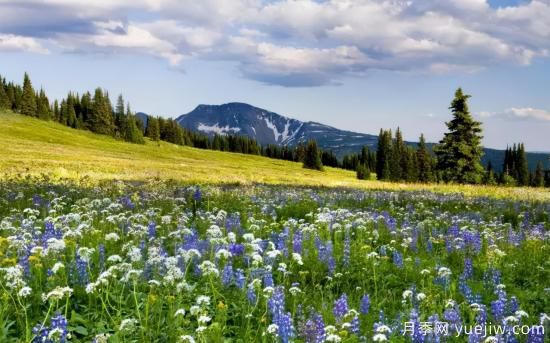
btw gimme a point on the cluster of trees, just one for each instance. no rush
(515, 170)
(94, 113)
(457, 157)
(397, 161)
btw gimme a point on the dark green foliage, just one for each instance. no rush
(459, 152)
(384, 155)
(101, 116)
(312, 157)
(133, 133)
(515, 165)
(5, 102)
(489, 177)
(363, 172)
(153, 131)
(328, 158)
(43, 106)
(28, 100)
(538, 177)
(424, 162)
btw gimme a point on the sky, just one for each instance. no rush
(359, 65)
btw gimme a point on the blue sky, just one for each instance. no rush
(358, 65)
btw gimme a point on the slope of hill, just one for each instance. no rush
(35, 147)
(272, 128)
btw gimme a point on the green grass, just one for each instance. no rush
(35, 147)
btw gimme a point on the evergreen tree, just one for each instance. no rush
(28, 99)
(383, 155)
(5, 102)
(521, 166)
(312, 158)
(459, 152)
(121, 118)
(424, 158)
(489, 177)
(133, 133)
(538, 178)
(153, 130)
(363, 172)
(101, 117)
(43, 106)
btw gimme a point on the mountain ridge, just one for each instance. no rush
(269, 127)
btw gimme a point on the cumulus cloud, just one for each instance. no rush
(519, 113)
(9, 42)
(295, 43)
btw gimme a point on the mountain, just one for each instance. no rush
(271, 128)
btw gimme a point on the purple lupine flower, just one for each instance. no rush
(320, 324)
(82, 270)
(512, 305)
(197, 196)
(268, 279)
(497, 309)
(286, 330)
(227, 275)
(251, 295)
(297, 241)
(355, 328)
(365, 304)
(468, 268)
(240, 278)
(347, 249)
(340, 307)
(397, 259)
(236, 249)
(151, 230)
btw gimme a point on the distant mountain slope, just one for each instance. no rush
(271, 128)
(242, 119)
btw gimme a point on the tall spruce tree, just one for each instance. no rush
(28, 98)
(132, 134)
(424, 158)
(459, 152)
(312, 158)
(101, 118)
(153, 130)
(398, 158)
(5, 102)
(521, 166)
(383, 155)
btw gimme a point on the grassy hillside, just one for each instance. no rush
(34, 147)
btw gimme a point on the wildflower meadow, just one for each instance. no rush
(161, 262)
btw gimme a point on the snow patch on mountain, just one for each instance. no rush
(216, 128)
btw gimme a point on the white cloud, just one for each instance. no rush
(10, 42)
(306, 42)
(519, 113)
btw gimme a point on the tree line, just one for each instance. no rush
(457, 157)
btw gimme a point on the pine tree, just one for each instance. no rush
(153, 130)
(459, 152)
(383, 155)
(423, 158)
(121, 119)
(5, 102)
(43, 106)
(538, 178)
(132, 133)
(363, 172)
(398, 158)
(521, 166)
(101, 117)
(28, 99)
(312, 158)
